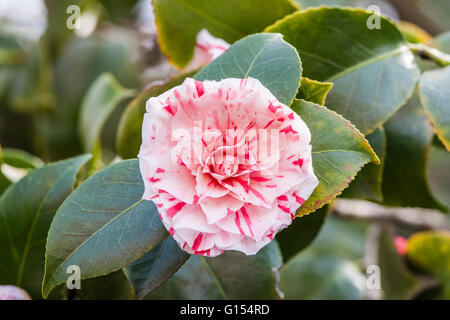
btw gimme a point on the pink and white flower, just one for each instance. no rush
(207, 48)
(13, 293)
(226, 164)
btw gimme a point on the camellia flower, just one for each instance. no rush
(226, 164)
(13, 293)
(207, 48)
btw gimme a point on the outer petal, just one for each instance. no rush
(207, 48)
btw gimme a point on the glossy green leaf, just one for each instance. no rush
(329, 268)
(314, 91)
(367, 184)
(397, 282)
(156, 267)
(103, 97)
(435, 96)
(409, 135)
(103, 226)
(26, 211)
(232, 275)
(339, 151)
(179, 21)
(301, 233)
(266, 57)
(431, 251)
(373, 70)
(129, 133)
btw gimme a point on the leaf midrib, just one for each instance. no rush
(213, 277)
(33, 226)
(88, 239)
(367, 62)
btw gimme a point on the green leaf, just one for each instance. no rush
(409, 135)
(232, 275)
(442, 42)
(266, 57)
(314, 91)
(113, 286)
(84, 59)
(439, 174)
(341, 237)
(367, 184)
(21, 159)
(312, 276)
(373, 71)
(129, 133)
(26, 211)
(435, 95)
(102, 98)
(329, 268)
(179, 21)
(339, 151)
(301, 233)
(397, 282)
(156, 267)
(413, 33)
(433, 13)
(4, 181)
(431, 250)
(103, 226)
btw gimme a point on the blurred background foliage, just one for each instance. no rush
(46, 70)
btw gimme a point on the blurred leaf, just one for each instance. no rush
(32, 86)
(232, 275)
(329, 268)
(439, 174)
(21, 159)
(179, 21)
(113, 286)
(26, 211)
(339, 151)
(342, 237)
(301, 233)
(373, 70)
(129, 133)
(4, 181)
(79, 64)
(266, 57)
(314, 91)
(103, 226)
(311, 276)
(436, 11)
(435, 96)
(431, 250)
(367, 184)
(396, 281)
(156, 267)
(442, 42)
(413, 33)
(105, 94)
(409, 135)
